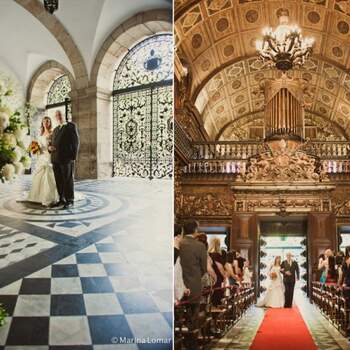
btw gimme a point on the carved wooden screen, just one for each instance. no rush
(142, 110)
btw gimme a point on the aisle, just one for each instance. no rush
(283, 329)
(243, 334)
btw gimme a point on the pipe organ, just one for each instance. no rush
(284, 108)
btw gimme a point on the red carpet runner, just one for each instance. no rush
(283, 329)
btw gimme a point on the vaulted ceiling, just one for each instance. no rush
(25, 43)
(217, 39)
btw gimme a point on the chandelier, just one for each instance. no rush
(285, 47)
(51, 5)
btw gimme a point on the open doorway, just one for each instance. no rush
(280, 246)
(278, 236)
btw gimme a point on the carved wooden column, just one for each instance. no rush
(244, 234)
(321, 235)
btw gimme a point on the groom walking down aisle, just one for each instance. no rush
(290, 270)
(64, 149)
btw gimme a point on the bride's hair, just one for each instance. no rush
(275, 261)
(42, 128)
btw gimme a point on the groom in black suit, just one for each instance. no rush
(64, 150)
(290, 270)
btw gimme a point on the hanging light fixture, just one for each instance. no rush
(284, 47)
(51, 5)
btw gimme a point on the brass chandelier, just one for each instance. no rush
(284, 47)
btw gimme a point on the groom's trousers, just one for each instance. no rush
(64, 176)
(289, 292)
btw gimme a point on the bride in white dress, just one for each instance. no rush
(44, 190)
(274, 296)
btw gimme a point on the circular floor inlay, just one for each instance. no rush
(91, 206)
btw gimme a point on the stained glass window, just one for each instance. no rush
(142, 110)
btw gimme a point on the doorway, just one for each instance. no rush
(280, 246)
(277, 238)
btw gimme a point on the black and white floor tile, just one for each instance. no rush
(95, 277)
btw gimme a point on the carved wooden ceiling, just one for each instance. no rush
(217, 39)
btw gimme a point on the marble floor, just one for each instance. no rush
(325, 336)
(96, 276)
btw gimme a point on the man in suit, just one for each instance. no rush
(64, 150)
(193, 258)
(290, 270)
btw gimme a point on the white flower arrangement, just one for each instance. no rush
(13, 153)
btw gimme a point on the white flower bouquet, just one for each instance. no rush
(13, 153)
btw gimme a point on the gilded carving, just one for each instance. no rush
(341, 203)
(283, 163)
(208, 204)
(282, 205)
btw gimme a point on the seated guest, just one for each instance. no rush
(193, 258)
(231, 267)
(218, 265)
(209, 279)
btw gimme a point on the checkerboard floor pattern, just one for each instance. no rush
(90, 298)
(100, 281)
(17, 246)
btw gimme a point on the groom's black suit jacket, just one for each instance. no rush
(65, 139)
(293, 269)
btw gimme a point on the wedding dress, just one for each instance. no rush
(274, 296)
(43, 188)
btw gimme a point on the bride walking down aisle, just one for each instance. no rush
(274, 296)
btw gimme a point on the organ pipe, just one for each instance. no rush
(284, 112)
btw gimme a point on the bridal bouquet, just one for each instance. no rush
(273, 275)
(34, 147)
(14, 157)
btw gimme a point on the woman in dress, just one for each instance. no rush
(215, 254)
(274, 296)
(344, 278)
(327, 266)
(231, 268)
(44, 190)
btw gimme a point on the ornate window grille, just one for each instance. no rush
(142, 110)
(58, 95)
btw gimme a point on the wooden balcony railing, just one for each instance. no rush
(329, 149)
(334, 167)
(241, 150)
(227, 150)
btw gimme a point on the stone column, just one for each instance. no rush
(104, 116)
(84, 115)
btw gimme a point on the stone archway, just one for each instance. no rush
(125, 36)
(42, 79)
(56, 28)
(38, 88)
